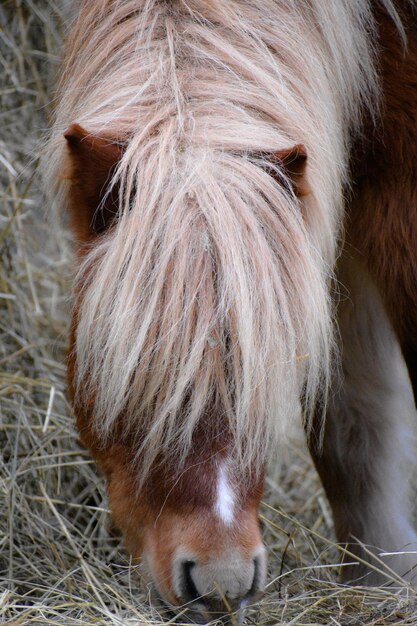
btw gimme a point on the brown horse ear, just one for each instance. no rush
(92, 160)
(294, 161)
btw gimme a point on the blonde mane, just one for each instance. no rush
(212, 291)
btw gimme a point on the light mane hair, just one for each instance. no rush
(211, 295)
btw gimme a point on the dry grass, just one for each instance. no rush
(59, 562)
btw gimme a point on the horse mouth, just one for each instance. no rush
(196, 612)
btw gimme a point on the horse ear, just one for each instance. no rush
(294, 161)
(93, 160)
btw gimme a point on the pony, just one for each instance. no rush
(239, 180)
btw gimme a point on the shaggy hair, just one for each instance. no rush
(212, 292)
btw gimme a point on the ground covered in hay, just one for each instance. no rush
(59, 561)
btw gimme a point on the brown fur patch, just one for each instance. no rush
(382, 219)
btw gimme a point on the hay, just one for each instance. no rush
(59, 561)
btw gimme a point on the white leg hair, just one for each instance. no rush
(366, 460)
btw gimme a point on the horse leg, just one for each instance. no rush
(364, 462)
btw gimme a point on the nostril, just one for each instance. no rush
(255, 587)
(190, 592)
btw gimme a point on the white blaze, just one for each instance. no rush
(225, 502)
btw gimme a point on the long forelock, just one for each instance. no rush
(213, 287)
